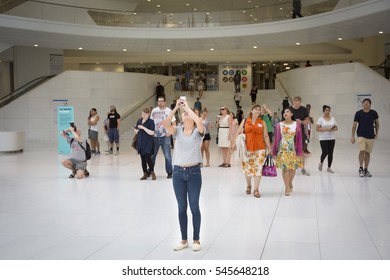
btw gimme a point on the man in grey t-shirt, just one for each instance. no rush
(78, 162)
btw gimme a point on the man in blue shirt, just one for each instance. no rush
(366, 121)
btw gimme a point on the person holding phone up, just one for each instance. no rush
(187, 177)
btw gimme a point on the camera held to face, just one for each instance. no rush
(67, 132)
(72, 125)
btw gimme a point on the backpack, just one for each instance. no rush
(87, 150)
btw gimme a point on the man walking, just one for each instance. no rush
(160, 90)
(301, 114)
(161, 136)
(113, 129)
(366, 121)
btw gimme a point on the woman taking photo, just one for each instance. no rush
(326, 126)
(288, 148)
(145, 131)
(187, 177)
(257, 141)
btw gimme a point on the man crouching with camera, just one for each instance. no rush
(78, 162)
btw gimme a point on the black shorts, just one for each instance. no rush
(206, 137)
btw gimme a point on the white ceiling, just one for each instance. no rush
(317, 34)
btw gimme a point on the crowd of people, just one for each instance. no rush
(260, 135)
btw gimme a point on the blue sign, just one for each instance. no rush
(65, 117)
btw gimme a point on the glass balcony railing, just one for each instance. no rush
(252, 12)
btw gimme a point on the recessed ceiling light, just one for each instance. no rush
(244, 11)
(158, 5)
(207, 13)
(35, 45)
(380, 32)
(194, 9)
(255, 47)
(168, 50)
(211, 49)
(187, 4)
(80, 48)
(134, 13)
(297, 44)
(125, 50)
(339, 38)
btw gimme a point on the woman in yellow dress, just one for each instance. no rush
(287, 148)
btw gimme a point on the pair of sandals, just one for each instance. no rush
(224, 165)
(256, 193)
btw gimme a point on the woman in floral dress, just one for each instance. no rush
(287, 148)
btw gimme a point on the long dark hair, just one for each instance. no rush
(90, 115)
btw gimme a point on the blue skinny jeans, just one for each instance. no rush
(187, 181)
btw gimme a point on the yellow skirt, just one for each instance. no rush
(254, 165)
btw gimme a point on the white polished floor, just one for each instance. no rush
(113, 215)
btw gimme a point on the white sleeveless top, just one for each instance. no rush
(94, 127)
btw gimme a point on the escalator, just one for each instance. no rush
(23, 90)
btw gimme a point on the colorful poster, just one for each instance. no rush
(235, 77)
(359, 99)
(65, 117)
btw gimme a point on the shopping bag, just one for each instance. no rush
(134, 142)
(269, 168)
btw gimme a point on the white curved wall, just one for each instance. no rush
(337, 86)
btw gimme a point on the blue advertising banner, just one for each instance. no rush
(65, 117)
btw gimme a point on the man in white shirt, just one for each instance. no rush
(161, 136)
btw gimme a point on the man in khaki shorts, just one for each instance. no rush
(366, 121)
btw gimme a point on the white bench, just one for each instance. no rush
(12, 141)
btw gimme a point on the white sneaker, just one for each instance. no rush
(320, 166)
(117, 153)
(330, 170)
(196, 247)
(181, 246)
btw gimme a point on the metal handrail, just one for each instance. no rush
(246, 14)
(124, 115)
(23, 90)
